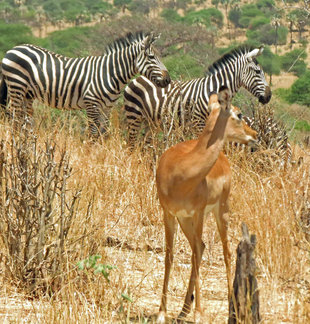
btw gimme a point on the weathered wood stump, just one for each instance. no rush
(244, 303)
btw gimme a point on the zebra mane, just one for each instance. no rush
(218, 65)
(126, 41)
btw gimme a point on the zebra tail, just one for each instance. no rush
(3, 94)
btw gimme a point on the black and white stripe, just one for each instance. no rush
(93, 83)
(187, 101)
(271, 135)
(272, 138)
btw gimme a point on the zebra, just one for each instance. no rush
(271, 134)
(272, 138)
(93, 83)
(187, 101)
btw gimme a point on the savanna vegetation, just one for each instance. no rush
(81, 233)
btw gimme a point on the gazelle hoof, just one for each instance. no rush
(161, 318)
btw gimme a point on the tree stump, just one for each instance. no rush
(244, 302)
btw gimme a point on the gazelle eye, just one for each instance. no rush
(239, 116)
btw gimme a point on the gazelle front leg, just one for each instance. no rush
(170, 223)
(192, 228)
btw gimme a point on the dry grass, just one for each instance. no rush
(124, 226)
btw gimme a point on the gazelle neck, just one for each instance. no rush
(209, 145)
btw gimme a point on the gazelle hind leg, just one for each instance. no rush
(192, 228)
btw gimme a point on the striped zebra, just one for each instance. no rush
(187, 102)
(272, 139)
(93, 83)
(271, 135)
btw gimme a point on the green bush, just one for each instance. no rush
(69, 42)
(170, 15)
(266, 34)
(302, 125)
(268, 7)
(248, 12)
(183, 66)
(12, 35)
(258, 22)
(208, 17)
(270, 62)
(294, 62)
(300, 90)
(234, 16)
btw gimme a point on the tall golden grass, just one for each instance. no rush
(120, 219)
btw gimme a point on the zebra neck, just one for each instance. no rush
(121, 68)
(229, 78)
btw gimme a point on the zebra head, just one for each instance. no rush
(149, 64)
(253, 78)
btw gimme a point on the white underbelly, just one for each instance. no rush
(183, 213)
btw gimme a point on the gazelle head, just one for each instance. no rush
(237, 130)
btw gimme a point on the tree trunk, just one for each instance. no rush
(244, 303)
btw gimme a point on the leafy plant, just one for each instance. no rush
(14, 34)
(300, 90)
(171, 15)
(208, 17)
(266, 34)
(270, 62)
(294, 61)
(91, 263)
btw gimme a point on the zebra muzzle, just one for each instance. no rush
(164, 81)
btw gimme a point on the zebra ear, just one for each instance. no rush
(255, 52)
(149, 40)
(261, 50)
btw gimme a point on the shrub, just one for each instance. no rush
(300, 90)
(234, 16)
(258, 22)
(70, 42)
(12, 35)
(170, 15)
(248, 12)
(37, 210)
(266, 34)
(294, 62)
(183, 66)
(302, 125)
(270, 62)
(208, 17)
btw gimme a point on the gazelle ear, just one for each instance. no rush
(224, 97)
(213, 102)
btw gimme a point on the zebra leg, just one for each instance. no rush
(17, 99)
(97, 122)
(29, 112)
(134, 125)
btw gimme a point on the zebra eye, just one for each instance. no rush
(151, 56)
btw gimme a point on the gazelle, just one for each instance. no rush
(193, 178)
